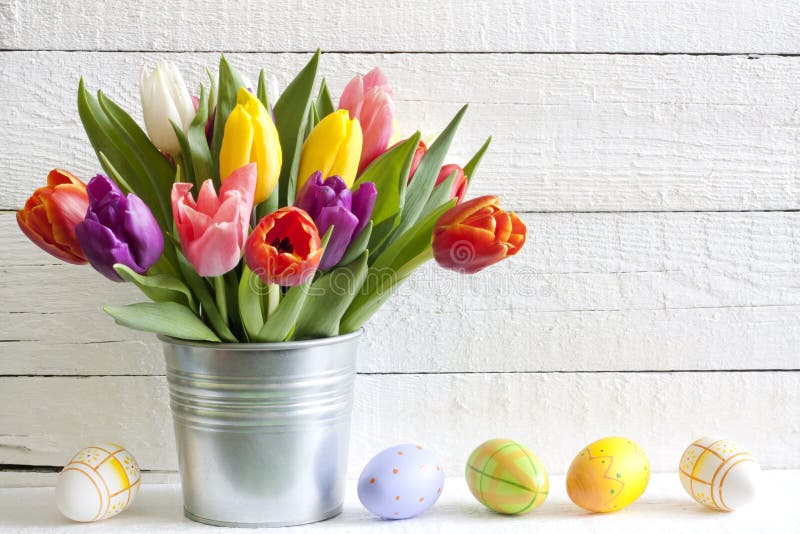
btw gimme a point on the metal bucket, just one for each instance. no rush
(262, 429)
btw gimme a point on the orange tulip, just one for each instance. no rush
(51, 214)
(284, 247)
(476, 234)
(459, 183)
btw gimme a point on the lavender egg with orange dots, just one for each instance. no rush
(401, 482)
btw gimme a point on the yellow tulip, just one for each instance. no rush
(250, 136)
(333, 147)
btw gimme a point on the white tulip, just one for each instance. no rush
(164, 99)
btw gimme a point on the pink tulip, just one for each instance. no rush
(213, 229)
(369, 99)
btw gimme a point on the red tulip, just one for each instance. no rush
(420, 151)
(51, 214)
(459, 184)
(476, 234)
(284, 248)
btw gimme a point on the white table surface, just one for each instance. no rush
(663, 508)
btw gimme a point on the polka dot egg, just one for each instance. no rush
(401, 482)
(719, 474)
(98, 482)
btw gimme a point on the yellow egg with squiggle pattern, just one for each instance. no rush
(608, 475)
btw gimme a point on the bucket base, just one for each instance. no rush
(330, 515)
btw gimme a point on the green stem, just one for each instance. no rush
(219, 295)
(273, 298)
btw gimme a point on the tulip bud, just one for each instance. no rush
(330, 203)
(476, 234)
(164, 99)
(51, 214)
(369, 99)
(118, 229)
(333, 148)
(459, 183)
(213, 229)
(251, 136)
(284, 247)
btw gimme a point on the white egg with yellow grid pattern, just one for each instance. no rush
(719, 474)
(99, 482)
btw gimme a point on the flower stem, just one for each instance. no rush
(273, 298)
(219, 295)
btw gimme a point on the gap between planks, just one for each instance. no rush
(425, 373)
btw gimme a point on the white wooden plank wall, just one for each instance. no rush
(650, 146)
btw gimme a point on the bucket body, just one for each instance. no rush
(262, 429)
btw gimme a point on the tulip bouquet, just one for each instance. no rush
(248, 216)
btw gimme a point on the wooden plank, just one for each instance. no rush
(571, 133)
(645, 291)
(449, 25)
(555, 414)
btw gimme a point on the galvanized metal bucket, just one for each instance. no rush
(262, 429)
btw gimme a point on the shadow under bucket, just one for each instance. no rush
(262, 429)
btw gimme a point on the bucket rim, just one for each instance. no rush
(271, 346)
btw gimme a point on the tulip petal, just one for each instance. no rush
(143, 235)
(363, 203)
(237, 142)
(344, 223)
(103, 249)
(467, 209)
(353, 96)
(216, 251)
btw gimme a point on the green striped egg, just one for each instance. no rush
(507, 477)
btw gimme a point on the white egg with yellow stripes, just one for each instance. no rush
(99, 482)
(719, 474)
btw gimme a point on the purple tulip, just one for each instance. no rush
(118, 229)
(331, 203)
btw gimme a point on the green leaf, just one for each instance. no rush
(324, 102)
(228, 86)
(291, 114)
(389, 173)
(113, 174)
(357, 246)
(469, 168)
(441, 194)
(420, 188)
(158, 287)
(169, 318)
(329, 298)
(106, 138)
(144, 154)
(393, 266)
(202, 292)
(251, 289)
(261, 92)
(186, 154)
(198, 143)
(280, 324)
(411, 244)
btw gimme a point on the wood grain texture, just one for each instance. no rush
(554, 414)
(571, 133)
(647, 291)
(415, 25)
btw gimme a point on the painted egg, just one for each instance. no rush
(507, 477)
(719, 474)
(98, 482)
(608, 475)
(401, 482)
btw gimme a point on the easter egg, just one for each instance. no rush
(608, 475)
(506, 477)
(719, 474)
(401, 482)
(98, 482)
